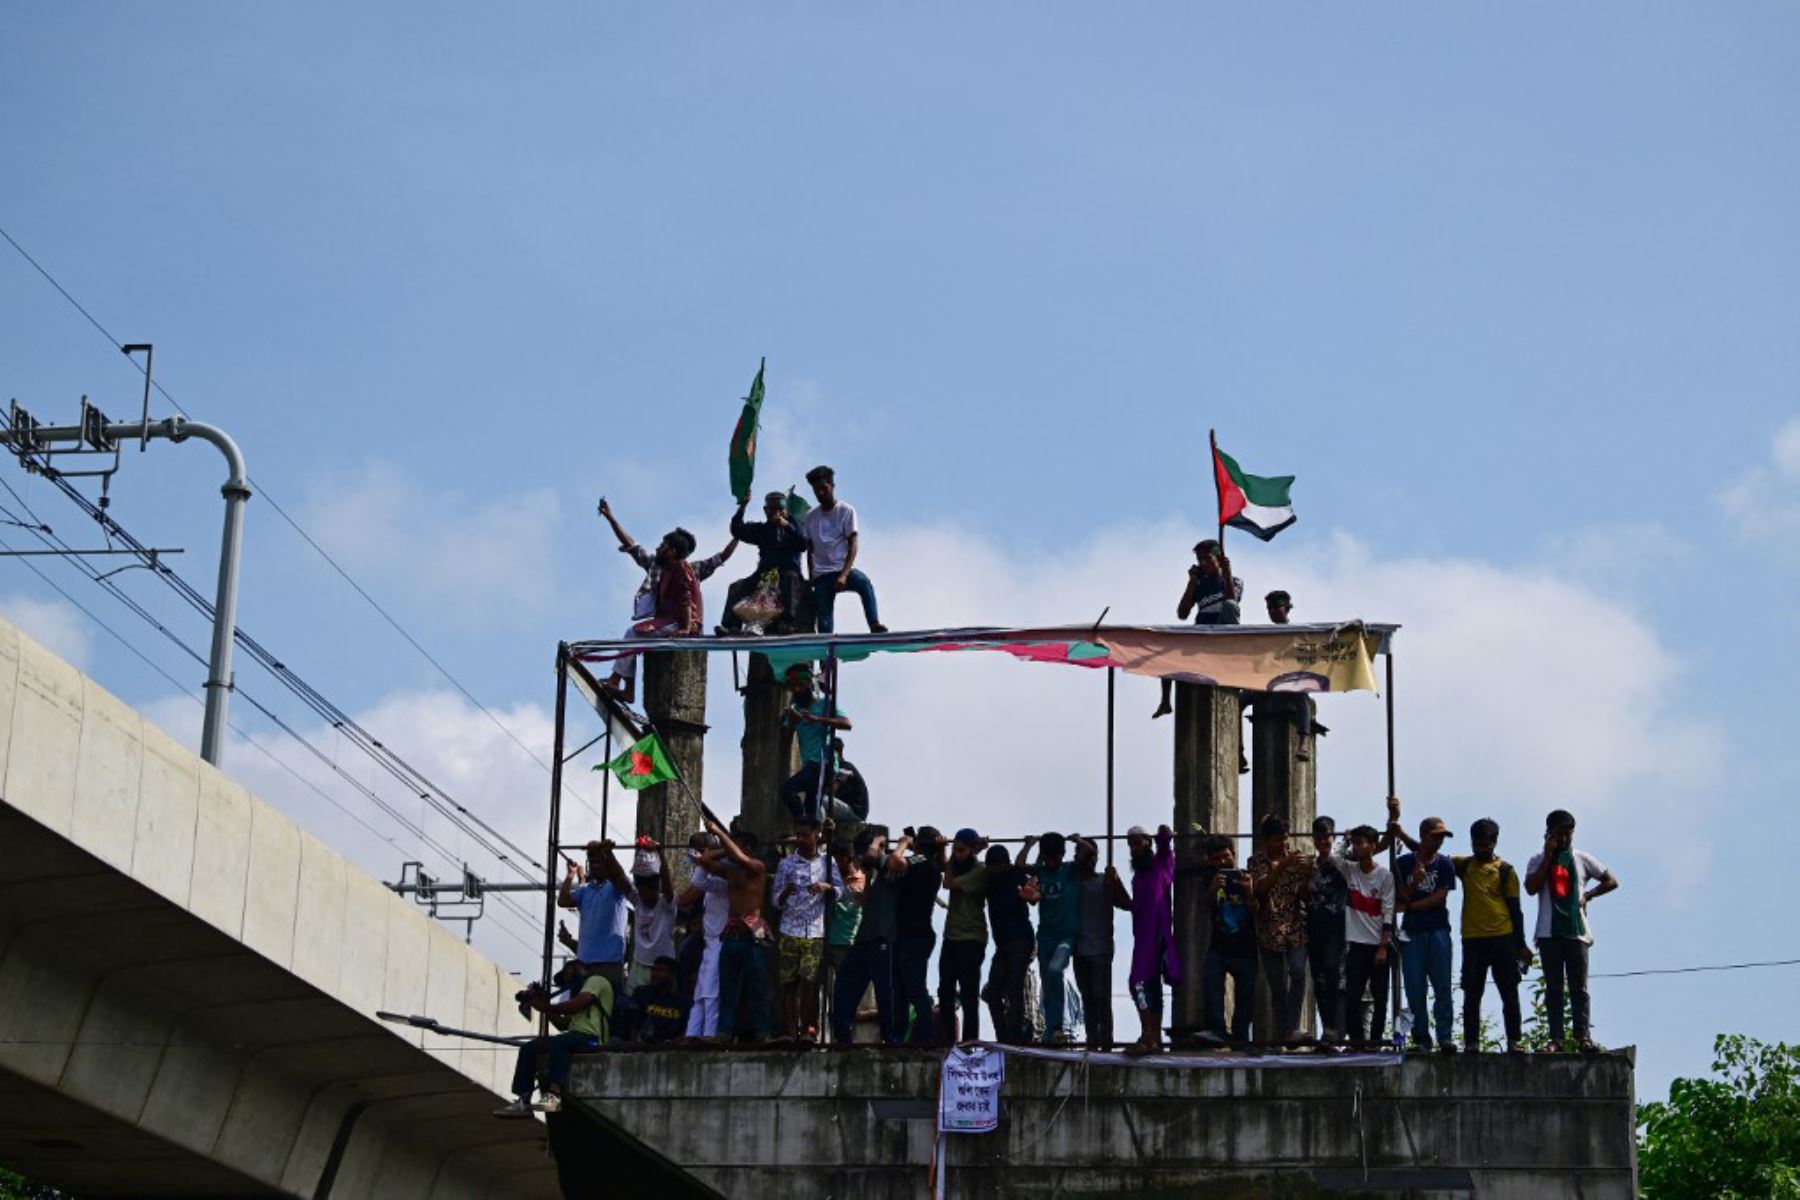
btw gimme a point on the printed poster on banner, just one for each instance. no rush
(969, 1091)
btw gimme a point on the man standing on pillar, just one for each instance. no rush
(706, 886)
(667, 603)
(1154, 958)
(1423, 882)
(779, 544)
(1212, 597)
(831, 549)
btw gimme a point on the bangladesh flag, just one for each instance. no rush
(743, 439)
(643, 765)
(1257, 504)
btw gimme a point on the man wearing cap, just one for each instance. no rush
(1278, 602)
(667, 603)
(779, 545)
(1325, 931)
(1212, 597)
(1423, 882)
(653, 914)
(965, 938)
(1557, 876)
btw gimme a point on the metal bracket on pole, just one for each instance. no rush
(29, 439)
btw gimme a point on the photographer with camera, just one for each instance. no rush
(586, 1022)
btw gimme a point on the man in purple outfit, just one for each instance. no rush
(1154, 960)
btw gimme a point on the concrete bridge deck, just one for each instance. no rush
(187, 983)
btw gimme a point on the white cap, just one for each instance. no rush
(1137, 831)
(647, 862)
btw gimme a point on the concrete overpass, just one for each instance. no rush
(187, 983)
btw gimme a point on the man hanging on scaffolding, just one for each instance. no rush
(667, 603)
(775, 589)
(1212, 596)
(813, 718)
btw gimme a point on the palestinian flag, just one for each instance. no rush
(743, 439)
(643, 765)
(1257, 504)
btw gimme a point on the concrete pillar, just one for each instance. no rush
(675, 702)
(770, 753)
(1208, 739)
(1284, 784)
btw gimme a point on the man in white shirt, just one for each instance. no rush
(652, 915)
(703, 1018)
(831, 547)
(1558, 877)
(1368, 933)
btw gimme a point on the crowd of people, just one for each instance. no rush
(785, 943)
(788, 942)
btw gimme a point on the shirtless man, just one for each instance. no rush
(741, 959)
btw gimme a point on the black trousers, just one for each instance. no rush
(912, 960)
(1093, 979)
(1500, 956)
(1362, 972)
(1325, 959)
(959, 984)
(1005, 991)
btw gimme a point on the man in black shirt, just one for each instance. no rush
(870, 960)
(779, 545)
(662, 1012)
(1015, 945)
(918, 889)
(1325, 933)
(1231, 953)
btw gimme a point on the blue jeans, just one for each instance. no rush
(1053, 960)
(867, 964)
(1425, 957)
(560, 1047)
(825, 594)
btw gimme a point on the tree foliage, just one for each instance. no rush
(17, 1187)
(1732, 1137)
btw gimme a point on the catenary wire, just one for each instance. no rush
(306, 537)
(44, 534)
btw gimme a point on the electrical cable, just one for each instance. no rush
(56, 543)
(306, 537)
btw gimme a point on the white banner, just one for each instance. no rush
(969, 1090)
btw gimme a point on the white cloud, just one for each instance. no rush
(55, 624)
(1764, 504)
(464, 556)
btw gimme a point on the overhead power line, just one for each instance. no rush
(354, 733)
(262, 491)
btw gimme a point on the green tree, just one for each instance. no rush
(17, 1187)
(1732, 1137)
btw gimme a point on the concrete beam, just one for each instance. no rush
(675, 702)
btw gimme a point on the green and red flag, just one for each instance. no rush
(743, 439)
(643, 764)
(1257, 504)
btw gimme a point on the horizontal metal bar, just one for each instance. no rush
(82, 553)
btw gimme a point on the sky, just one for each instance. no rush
(1513, 294)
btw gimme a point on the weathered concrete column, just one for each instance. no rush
(770, 753)
(675, 702)
(1286, 785)
(1208, 739)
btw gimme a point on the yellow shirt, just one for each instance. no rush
(1484, 912)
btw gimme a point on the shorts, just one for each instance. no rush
(800, 958)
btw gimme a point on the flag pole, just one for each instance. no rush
(1111, 675)
(1393, 853)
(555, 823)
(1212, 436)
(606, 778)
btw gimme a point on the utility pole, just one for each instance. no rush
(28, 439)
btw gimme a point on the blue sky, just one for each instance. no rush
(1514, 295)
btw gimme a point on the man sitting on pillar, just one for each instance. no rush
(1297, 708)
(667, 603)
(779, 544)
(811, 715)
(1212, 597)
